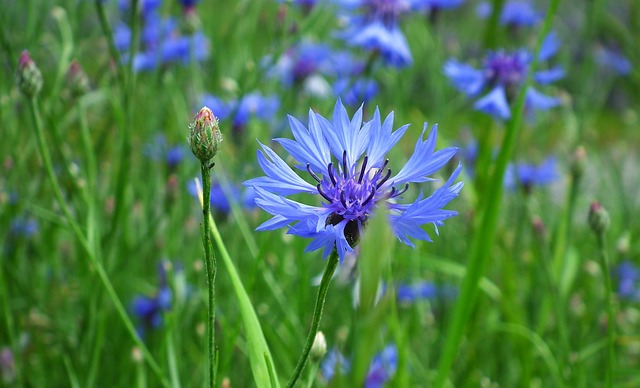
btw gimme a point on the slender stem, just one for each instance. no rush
(611, 324)
(332, 263)
(211, 269)
(90, 253)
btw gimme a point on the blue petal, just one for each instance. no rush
(310, 146)
(407, 220)
(537, 100)
(464, 77)
(287, 211)
(549, 47)
(390, 41)
(424, 161)
(548, 76)
(494, 103)
(280, 177)
(382, 139)
(348, 135)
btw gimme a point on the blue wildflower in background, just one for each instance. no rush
(614, 60)
(222, 196)
(514, 13)
(527, 176)
(373, 26)
(628, 281)
(501, 76)
(23, 227)
(346, 159)
(159, 150)
(382, 368)
(240, 111)
(149, 310)
(407, 293)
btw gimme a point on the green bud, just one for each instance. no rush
(578, 162)
(204, 135)
(190, 22)
(319, 347)
(598, 218)
(77, 79)
(28, 77)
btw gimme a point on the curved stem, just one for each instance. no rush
(211, 269)
(332, 263)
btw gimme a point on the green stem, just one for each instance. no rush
(484, 236)
(211, 269)
(604, 263)
(90, 253)
(332, 264)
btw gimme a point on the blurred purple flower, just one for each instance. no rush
(382, 368)
(614, 60)
(221, 196)
(423, 290)
(252, 105)
(159, 150)
(628, 281)
(520, 13)
(528, 176)
(149, 310)
(501, 76)
(23, 227)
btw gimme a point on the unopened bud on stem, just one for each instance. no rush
(204, 136)
(29, 77)
(598, 218)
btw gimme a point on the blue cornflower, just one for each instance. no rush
(382, 367)
(502, 74)
(149, 310)
(220, 196)
(357, 91)
(514, 13)
(613, 59)
(158, 150)
(352, 183)
(23, 227)
(303, 61)
(628, 281)
(527, 176)
(423, 290)
(373, 25)
(189, 3)
(242, 110)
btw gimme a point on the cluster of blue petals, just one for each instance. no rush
(162, 42)
(382, 368)
(499, 80)
(345, 159)
(519, 13)
(527, 176)
(149, 309)
(240, 111)
(628, 281)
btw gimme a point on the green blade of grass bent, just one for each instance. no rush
(263, 371)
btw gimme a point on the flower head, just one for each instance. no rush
(346, 160)
(514, 13)
(527, 175)
(503, 74)
(382, 367)
(28, 76)
(628, 281)
(204, 135)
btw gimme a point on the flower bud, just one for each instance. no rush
(204, 136)
(578, 162)
(29, 77)
(77, 79)
(598, 218)
(319, 347)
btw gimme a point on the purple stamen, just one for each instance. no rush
(313, 175)
(330, 170)
(385, 178)
(344, 164)
(319, 187)
(343, 199)
(370, 197)
(362, 170)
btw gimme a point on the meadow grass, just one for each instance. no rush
(102, 271)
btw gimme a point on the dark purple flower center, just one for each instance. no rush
(353, 193)
(506, 69)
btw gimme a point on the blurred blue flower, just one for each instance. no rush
(161, 43)
(382, 368)
(303, 61)
(628, 281)
(252, 105)
(501, 77)
(435, 5)
(355, 92)
(220, 196)
(23, 227)
(520, 13)
(158, 150)
(373, 26)
(353, 183)
(189, 3)
(528, 176)
(147, 7)
(423, 290)
(149, 310)
(614, 60)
